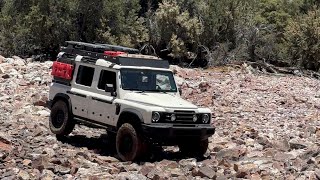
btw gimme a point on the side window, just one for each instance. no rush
(85, 75)
(107, 77)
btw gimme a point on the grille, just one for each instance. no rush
(182, 117)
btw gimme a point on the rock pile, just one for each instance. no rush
(267, 128)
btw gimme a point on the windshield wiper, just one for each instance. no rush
(159, 90)
(152, 90)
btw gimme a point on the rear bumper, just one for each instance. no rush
(175, 134)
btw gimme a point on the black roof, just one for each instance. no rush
(92, 52)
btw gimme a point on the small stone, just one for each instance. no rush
(188, 163)
(18, 61)
(241, 174)
(283, 156)
(49, 151)
(37, 79)
(183, 177)
(114, 170)
(63, 170)
(6, 76)
(130, 176)
(157, 173)
(1, 70)
(108, 159)
(74, 170)
(230, 153)
(47, 175)
(255, 177)
(23, 175)
(297, 145)
(283, 145)
(317, 173)
(206, 171)
(176, 172)
(2, 59)
(246, 168)
(166, 164)
(39, 163)
(35, 174)
(26, 162)
(43, 113)
(146, 169)
(204, 86)
(5, 143)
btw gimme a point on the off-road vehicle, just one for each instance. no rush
(133, 96)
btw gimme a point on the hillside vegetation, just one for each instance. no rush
(205, 32)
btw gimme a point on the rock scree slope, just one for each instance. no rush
(267, 128)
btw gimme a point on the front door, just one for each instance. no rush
(101, 106)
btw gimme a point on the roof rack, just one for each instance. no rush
(100, 48)
(92, 52)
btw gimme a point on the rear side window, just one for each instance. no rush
(107, 77)
(85, 75)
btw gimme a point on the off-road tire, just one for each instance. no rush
(129, 144)
(194, 148)
(61, 122)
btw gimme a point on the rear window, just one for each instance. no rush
(85, 75)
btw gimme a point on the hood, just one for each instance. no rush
(162, 100)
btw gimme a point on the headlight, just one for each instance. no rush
(173, 117)
(206, 118)
(155, 117)
(195, 118)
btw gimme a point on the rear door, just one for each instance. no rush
(80, 92)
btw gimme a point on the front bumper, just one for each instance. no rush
(176, 133)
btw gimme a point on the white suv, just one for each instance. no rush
(134, 97)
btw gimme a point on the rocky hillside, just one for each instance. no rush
(267, 128)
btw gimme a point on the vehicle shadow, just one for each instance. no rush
(104, 145)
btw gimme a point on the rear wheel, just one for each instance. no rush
(60, 121)
(194, 148)
(129, 143)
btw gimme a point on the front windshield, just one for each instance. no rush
(148, 80)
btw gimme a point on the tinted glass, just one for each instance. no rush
(107, 77)
(85, 75)
(146, 80)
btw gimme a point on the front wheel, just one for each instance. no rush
(60, 121)
(194, 148)
(129, 144)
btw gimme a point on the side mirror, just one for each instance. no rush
(111, 89)
(180, 91)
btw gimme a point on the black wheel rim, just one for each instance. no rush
(126, 145)
(58, 119)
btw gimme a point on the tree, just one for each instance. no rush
(85, 17)
(121, 24)
(176, 29)
(303, 40)
(32, 25)
(11, 31)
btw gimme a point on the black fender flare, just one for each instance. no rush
(62, 96)
(137, 118)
